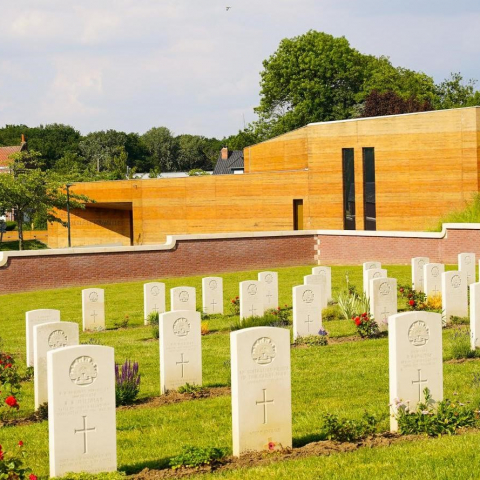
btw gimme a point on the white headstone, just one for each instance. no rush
(475, 314)
(183, 298)
(46, 337)
(467, 263)
(454, 294)
(307, 310)
(93, 309)
(320, 281)
(261, 389)
(33, 318)
(417, 273)
(180, 349)
(327, 273)
(383, 300)
(270, 289)
(153, 299)
(368, 266)
(371, 275)
(415, 359)
(81, 410)
(212, 295)
(251, 299)
(432, 278)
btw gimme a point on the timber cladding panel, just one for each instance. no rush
(426, 164)
(187, 258)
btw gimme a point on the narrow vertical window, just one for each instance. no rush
(298, 214)
(369, 188)
(348, 189)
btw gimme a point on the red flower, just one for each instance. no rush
(11, 401)
(8, 365)
(1, 455)
(364, 315)
(32, 477)
(233, 301)
(411, 303)
(358, 321)
(20, 443)
(402, 290)
(271, 445)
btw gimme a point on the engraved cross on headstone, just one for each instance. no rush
(269, 296)
(213, 305)
(435, 291)
(308, 321)
(182, 363)
(385, 313)
(265, 403)
(155, 309)
(94, 315)
(253, 310)
(85, 431)
(419, 382)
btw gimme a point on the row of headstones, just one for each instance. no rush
(81, 388)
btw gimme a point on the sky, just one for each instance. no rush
(193, 66)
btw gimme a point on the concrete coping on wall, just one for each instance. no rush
(172, 240)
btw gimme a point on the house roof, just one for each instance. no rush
(5, 153)
(233, 162)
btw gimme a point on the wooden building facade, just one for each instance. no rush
(401, 172)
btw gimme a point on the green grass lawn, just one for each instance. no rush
(343, 378)
(27, 245)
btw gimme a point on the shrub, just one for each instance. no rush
(313, 340)
(332, 312)
(235, 306)
(127, 383)
(205, 330)
(351, 305)
(281, 314)
(344, 430)
(444, 418)
(270, 319)
(122, 323)
(10, 226)
(434, 302)
(42, 411)
(197, 456)
(469, 214)
(153, 319)
(460, 346)
(414, 301)
(454, 320)
(192, 389)
(9, 377)
(12, 467)
(366, 327)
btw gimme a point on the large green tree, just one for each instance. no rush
(162, 149)
(29, 191)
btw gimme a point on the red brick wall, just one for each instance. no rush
(189, 257)
(354, 250)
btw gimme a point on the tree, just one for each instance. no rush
(191, 153)
(391, 103)
(99, 148)
(28, 190)
(453, 92)
(310, 78)
(162, 148)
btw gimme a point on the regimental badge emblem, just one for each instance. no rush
(372, 265)
(384, 288)
(421, 263)
(435, 272)
(155, 291)
(212, 284)
(456, 281)
(93, 296)
(252, 289)
(269, 278)
(57, 339)
(468, 260)
(83, 371)
(183, 296)
(181, 327)
(377, 275)
(418, 333)
(264, 351)
(308, 296)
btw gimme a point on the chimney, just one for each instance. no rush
(23, 138)
(225, 153)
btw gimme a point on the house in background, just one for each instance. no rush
(6, 152)
(229, 163)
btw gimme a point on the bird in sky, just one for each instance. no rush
(228, 8)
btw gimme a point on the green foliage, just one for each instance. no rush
(414, 301)
(191, 389)
(127, 383)
(197, 172)
(332, 312)
(446, 417)
(162, 149)
(234, 306)
(282, 315)
(319, 340)
(454, 320)
(470, 213)
(12, 465)
(367, 327)
(453, 92)
(196, 456)
(271, 318)
(347, 430)
(42, 411)
(352, 304)
(26, 245)
(459, 346)
(153, 319)
(10, 225)
(122, 323)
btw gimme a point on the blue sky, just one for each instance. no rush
(191, 65)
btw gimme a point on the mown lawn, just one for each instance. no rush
(343, 378)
